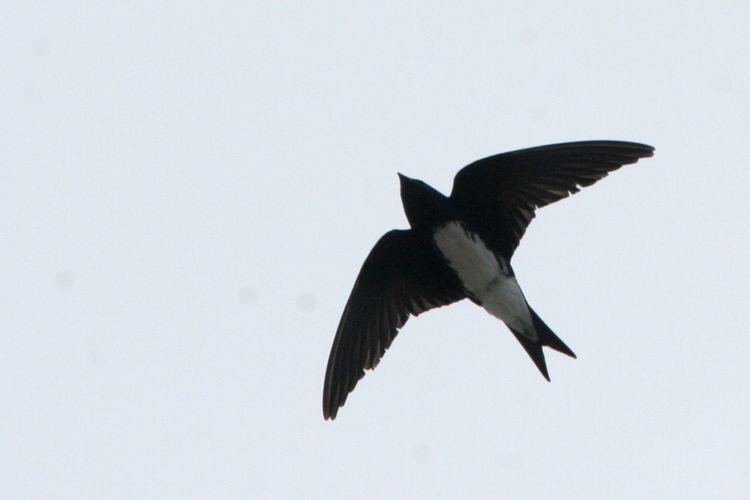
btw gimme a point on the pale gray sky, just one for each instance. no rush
(188, 190)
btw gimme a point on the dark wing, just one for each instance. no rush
(499, 194)
(401, 276)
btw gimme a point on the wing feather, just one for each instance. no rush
(499, 195)
(401, 276)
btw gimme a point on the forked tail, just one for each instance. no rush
(545, 337)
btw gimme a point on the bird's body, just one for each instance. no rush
(460, 246)
(485, 276)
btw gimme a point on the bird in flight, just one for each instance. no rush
(460, 247)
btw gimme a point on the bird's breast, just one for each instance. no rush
(485, 276)
(476, 265)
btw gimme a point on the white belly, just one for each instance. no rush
(505, 300)
(481, 275)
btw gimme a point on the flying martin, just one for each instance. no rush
(460, 247)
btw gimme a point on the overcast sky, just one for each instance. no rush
(188, 190)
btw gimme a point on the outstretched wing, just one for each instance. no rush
(402, 276)
(499, 194)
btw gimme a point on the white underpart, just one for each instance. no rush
(481, 274)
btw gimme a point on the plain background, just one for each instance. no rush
(188, 190)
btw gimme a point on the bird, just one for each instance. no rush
(460, 247)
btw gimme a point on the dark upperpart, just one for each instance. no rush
(425, 207)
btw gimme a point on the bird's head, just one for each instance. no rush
(423, 204)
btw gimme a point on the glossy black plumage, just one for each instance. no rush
(498, 195)
(398, 279)
(405, 274)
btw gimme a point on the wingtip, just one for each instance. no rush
(649, 150)
(644, 150)
(328, 413)
(331, 405)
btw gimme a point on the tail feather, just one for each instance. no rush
(545, 337)
(534, 350)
